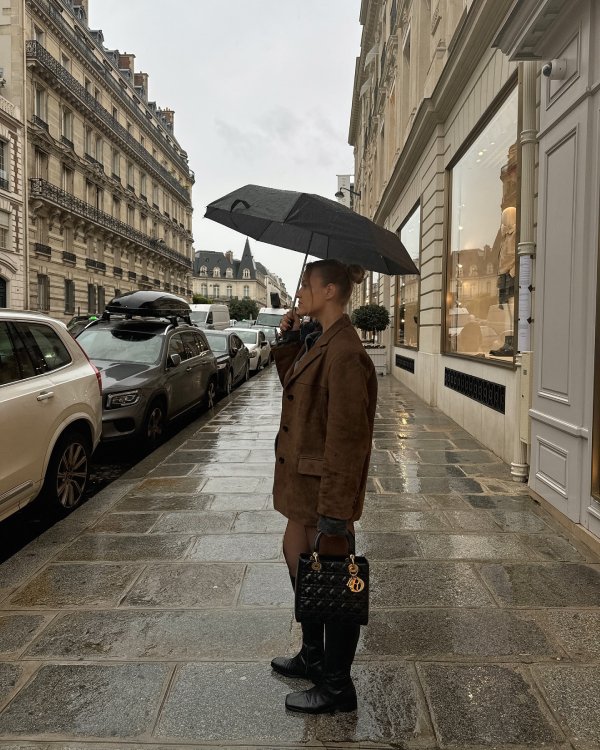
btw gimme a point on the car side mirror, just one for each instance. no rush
(174, 360)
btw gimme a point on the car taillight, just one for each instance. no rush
(96, 370)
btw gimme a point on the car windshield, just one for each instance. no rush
(269, 319)
(198, 316)
(248, 337)
(216, 343)
(137, 347)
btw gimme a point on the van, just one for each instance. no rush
(270, 316)
(213, 316)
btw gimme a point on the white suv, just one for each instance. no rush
(51, 413)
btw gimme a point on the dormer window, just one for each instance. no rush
(216, 272)
(229, 273)
(246, 274)
(203, 270)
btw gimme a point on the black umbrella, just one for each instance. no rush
(313, 225)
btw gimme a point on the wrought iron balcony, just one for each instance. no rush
(95, 161)
(3, 183)
(35, 51)
(40, 123)
(42, 189)
(44, 250)
(132, 275)
(69, 257)
(67, 142)
(77, 40)
(144, 278)
(118, 271)
(156, 282)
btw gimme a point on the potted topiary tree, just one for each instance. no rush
(373, 319)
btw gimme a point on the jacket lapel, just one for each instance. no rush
(315, 352)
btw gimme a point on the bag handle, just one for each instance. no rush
(349, 537)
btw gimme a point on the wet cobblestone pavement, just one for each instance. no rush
(149, 616)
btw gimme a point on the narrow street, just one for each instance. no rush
(148, 617)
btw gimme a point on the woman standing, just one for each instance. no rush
(321, 463)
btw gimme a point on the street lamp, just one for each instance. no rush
(340, 193)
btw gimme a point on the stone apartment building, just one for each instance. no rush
(108, 187)
(475, 131)
(219, 276)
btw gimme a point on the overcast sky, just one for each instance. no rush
(261, 89)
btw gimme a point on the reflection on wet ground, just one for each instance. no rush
(160, 602)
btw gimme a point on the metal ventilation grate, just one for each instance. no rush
(483, 391)
(405, 363)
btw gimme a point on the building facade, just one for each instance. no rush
(108, 186)
(12, 215)
(219, 276)
(486, 164)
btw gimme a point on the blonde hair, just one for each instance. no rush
(337, 273)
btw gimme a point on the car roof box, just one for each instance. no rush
(149, 304)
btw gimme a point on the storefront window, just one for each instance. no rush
(407, 287)
(481, 269)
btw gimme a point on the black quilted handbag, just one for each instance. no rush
(332, 589)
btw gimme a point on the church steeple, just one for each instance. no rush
(247, 263)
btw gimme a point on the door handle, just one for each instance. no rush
(189, 369)
(45, 395)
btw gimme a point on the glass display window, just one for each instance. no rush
(481, 268)
(408, 286)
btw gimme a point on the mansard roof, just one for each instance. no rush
(212, 259)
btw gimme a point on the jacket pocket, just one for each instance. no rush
(313, 467)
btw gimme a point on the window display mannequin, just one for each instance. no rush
(506, 276)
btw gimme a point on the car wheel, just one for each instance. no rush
(211, 394)
(154, 425)
(68, 472)
(229, 383)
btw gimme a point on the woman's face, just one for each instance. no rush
(312, 295)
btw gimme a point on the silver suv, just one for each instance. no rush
(51, 406)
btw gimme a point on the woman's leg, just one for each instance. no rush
(309, 662)
(294, 543)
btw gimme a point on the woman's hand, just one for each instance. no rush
(290, 322)
(332, 526)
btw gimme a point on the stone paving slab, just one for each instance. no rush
(117, 700)
(486, 705)
(218, 634)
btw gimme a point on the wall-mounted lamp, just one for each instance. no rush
(2, 79)
(340, 193)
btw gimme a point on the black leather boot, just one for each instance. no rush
(336, 690)
(308, 664)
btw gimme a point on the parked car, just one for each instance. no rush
(271, 334)
(233, 358)
(257, 345)
(51, 407)
(212, 316)
(153, 366)
(78, 322)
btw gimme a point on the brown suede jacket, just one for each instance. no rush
(324, 442)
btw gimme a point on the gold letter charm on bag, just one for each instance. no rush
(316, 563)
(355, 584)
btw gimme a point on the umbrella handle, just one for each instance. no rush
(293, 307)
(239, 200)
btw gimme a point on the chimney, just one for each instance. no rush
(140, 81)
(229, 256)
(168, 116)
(126, 62)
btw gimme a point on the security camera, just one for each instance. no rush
(555, 70)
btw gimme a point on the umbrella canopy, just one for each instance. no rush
(311, 224)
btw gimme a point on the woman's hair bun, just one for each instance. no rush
(356, 273)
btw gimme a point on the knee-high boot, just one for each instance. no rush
(336, 690)
(308, 663)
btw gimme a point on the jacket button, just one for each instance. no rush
(290, 397)
(285, 428)
(281, 460)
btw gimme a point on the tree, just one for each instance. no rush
(199, 299)
(242, 309)
(371, 318)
